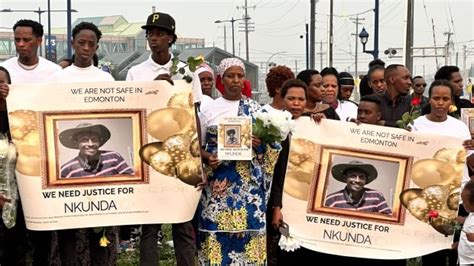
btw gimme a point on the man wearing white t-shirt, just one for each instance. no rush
(160, 33)
(85, 39)
(28, 67)
(85, 42)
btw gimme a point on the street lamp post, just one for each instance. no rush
(307, 45)
(232, 21)
(267, 64)
(39, 11)
(364, 36)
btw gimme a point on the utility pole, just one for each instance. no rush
(448, 42)
(409, 35)
(330, 38)
(247, 27)
(312, 29)
(225, 37)
(321, 54)
(296, 66)
(356, 34)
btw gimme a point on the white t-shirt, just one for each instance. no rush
(74, 73)
(220, 108)
(149, 70)
(466, 247)
(346, 109)
(205, 102)
(270, 109)
(41, 73)
(450, 127)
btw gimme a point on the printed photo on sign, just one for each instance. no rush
(232, 136)
(88, 148)
(360, 184)
(467, 116)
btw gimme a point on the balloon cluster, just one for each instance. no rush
(301, 162)
(438, 180)
(177, 153)
(25, 135)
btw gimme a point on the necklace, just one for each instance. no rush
(28, 68)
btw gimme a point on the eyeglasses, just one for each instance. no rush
(420, 85)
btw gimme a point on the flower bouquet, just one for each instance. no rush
(273, 127)
(408, 118)
(287, 242)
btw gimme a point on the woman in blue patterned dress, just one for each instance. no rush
(233, 204)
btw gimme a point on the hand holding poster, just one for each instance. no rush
(365, 191)
(128, 153)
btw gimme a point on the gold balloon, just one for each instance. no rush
(407, 195)
(166, 122)
(453, 199)
(435, 196)
(307, 167)
(162, 162)
(178, 147)
(22, 122)
(451, 155)
(189, 171)
(418, 207)
(427, 172)
(149, 149)
(181, 100)
(195, 148)
(302, 150)
(29, 165)
(297, 184)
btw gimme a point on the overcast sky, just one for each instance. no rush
(279, 24)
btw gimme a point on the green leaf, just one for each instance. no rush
(182, 71)
(400, 124)
(192, 67)
(188, 79)
(190, 60)
(406, 116)
(174, 70)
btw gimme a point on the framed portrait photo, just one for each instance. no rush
(360, 184)
(467, 116)
(84, 148)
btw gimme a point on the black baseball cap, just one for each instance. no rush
(160, 20)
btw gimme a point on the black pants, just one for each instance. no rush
(183, 240)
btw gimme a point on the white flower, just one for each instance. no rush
(277, 120)
(289, 243)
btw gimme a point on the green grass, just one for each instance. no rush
(132, 258)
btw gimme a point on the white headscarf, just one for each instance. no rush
(227, 63)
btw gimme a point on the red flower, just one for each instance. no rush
(415, 101)
(433, 214)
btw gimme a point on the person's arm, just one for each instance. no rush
(276, 192)
(470, 236)
(3, 200)
(279, 174)
(4, 90)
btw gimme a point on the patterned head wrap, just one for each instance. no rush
(227, 63)
(205, 68)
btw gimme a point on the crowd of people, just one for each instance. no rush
(240, 211)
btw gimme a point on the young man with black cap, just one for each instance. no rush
(160, 33)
